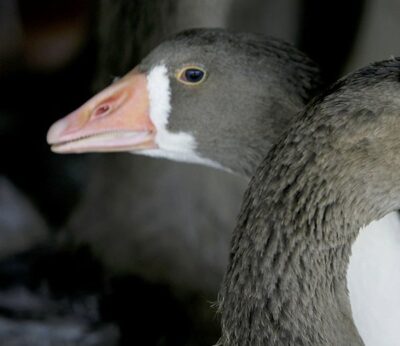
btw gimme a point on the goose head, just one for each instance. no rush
(205, 96)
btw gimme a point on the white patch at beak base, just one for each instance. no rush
(180, 146)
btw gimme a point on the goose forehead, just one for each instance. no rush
(174, 55)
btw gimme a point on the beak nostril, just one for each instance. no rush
(101, 110)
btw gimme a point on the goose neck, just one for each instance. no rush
(286, 284)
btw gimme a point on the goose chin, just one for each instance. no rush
(107, 142)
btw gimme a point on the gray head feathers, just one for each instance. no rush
(254, 86)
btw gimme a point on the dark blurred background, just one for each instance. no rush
(117, 249)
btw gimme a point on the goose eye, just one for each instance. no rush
(191, 75)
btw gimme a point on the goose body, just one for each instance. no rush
(195, 123)
(286, 282)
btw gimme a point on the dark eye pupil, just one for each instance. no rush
(193, 75)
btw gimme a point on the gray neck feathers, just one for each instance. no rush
(286, 283)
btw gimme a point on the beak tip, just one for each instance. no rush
(55, 132)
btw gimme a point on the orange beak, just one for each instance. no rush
(116, 119)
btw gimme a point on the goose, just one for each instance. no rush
(265, 82)
(333, 172)
(159, 218)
